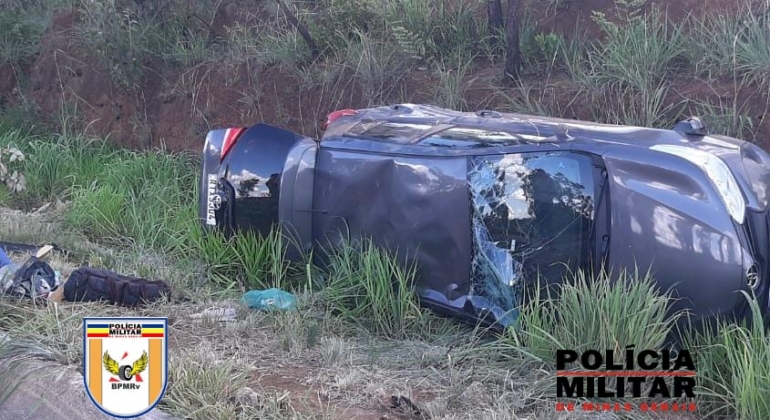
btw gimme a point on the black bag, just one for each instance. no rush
(87, 284)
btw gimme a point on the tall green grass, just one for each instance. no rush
(142, 200)
(637, 54)
(118, 196)
(733, 44)
(248, 259)
(367, 286)
(593, 313)
(733, 363)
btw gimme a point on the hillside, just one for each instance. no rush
(163, 72)
(82, 79)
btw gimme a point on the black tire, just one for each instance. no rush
(125, 373)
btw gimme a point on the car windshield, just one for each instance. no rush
(532, 216)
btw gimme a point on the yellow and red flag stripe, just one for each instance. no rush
(153, 330)
(98, 331)
(103, 331)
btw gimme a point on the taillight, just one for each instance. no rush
(231, 136)
(336, 114)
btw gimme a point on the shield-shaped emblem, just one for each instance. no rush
(125, 361)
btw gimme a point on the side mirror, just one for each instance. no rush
(692, 126)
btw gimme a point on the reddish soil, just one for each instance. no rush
(174, 109)
(304, 387)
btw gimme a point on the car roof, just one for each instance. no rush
(431, 126)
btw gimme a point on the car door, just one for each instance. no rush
(532, 218)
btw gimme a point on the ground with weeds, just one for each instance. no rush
(355, 348)
(298, 365)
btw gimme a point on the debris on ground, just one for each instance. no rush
(270, 299)
(406, 406)
(33, 278)
(217, 314)
(36, 279)
(247, 397)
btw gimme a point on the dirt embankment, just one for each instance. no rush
(174, 108)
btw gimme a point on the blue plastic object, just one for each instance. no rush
(4, 260)
(270, 299)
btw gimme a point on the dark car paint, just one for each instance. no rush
(660, 211)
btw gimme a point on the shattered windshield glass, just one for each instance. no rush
(531, 217)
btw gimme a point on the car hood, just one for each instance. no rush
(667, 217)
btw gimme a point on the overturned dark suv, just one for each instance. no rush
(489, 202)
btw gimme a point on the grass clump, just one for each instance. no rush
(200, 386)
(638, 54)
(249, 259)
(594, 313)
(367, 286)
(9, 379)
(733, 44)
(733, 362)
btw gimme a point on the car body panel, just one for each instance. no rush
(666, 218)
(408, 204)
(296, 199)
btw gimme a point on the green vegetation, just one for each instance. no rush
(631, 73)
(733, 367)
(141, 202)
(135, 211)
(8, 378)
(21, 25)
(367, 286)
(595, 313)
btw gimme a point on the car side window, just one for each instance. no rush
(532, 216)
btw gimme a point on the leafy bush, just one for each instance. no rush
(10, 159)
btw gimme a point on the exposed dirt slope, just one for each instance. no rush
(176, 108)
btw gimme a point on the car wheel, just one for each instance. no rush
(125, 373)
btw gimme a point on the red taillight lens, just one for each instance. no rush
(336, 114)
(231, 136)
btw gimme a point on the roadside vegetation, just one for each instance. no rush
(135, 212)
(295, 61)
(355, 339)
